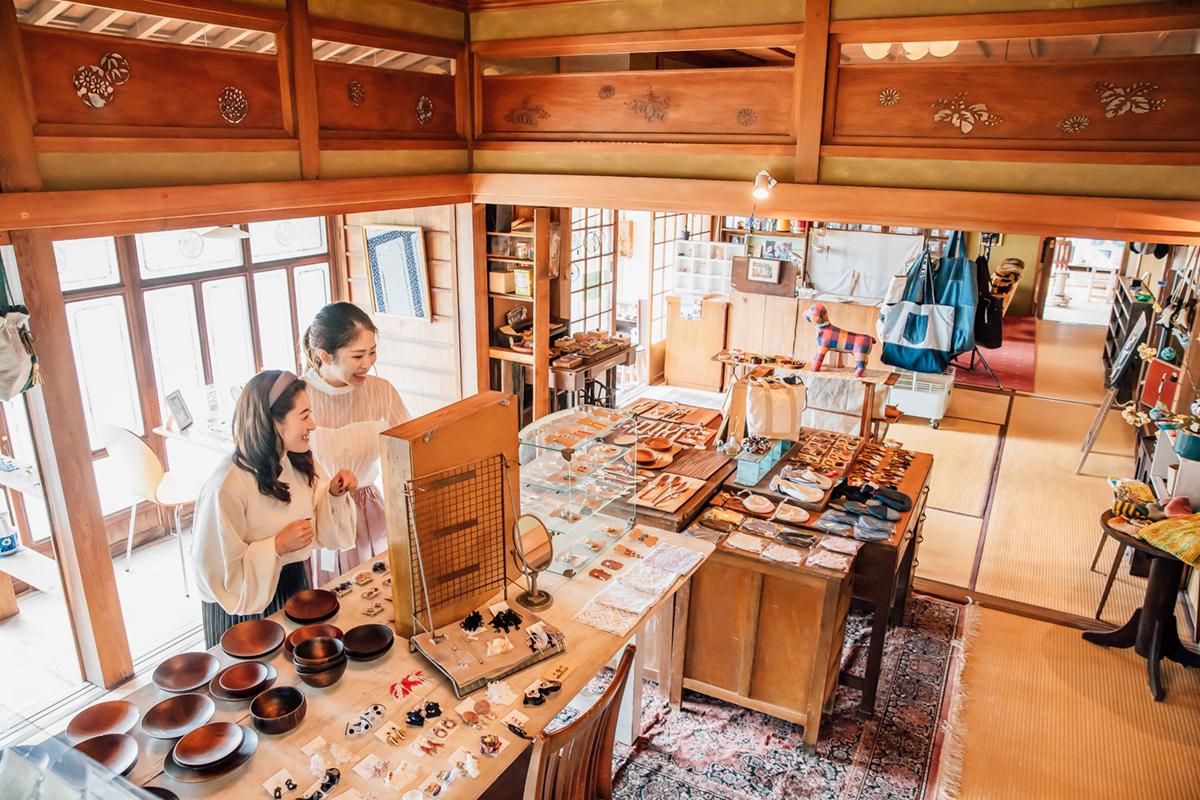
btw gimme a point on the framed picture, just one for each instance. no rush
(179, 410)
(763, 270)
(398, 272)
(773, 248)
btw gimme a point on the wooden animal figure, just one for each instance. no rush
(831, 337)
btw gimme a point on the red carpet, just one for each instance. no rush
(1013, 362)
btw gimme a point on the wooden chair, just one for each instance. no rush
(575, 761)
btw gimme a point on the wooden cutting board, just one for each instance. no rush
(698, 463)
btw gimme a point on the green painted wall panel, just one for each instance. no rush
(61, 171)
(378, 163)
(404, 15)
(871, 9)
(629, 15)
(639, 165)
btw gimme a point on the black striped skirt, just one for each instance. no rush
(292, 578)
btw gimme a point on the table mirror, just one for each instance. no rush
(533, 551)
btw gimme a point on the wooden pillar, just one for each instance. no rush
(304, 85)
(810, 98)
(541, 312)
(474, 310)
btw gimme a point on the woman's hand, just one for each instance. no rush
(294, 536)
(343, 482)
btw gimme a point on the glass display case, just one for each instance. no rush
(574, 465)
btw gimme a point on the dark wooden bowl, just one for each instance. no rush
(326, 677)
(115, 716)
(243, 679)
(208, 745)
(177, 716)
(186, 672)
(117, 751)
(252, 639)
(311, 605)
(301, 669)
(318, 651)
(181, 774)
(368, 641)
(278, 710)
(161, 793)
(309, 632)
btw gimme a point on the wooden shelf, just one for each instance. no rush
(508, 354)
(510, 259)
(502, 296)
(522, 234)
(765, 234)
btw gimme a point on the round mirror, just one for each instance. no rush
(534, 552)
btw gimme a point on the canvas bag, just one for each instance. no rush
(18, 363)
(774, 408)
(916, 332)
(954, 284)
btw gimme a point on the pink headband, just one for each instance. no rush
(281, 384)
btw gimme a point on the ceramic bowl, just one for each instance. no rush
(642, 456)
(219, 692)
(116, 751)
(177, 716)
(115, 716)
(252, 639)
(658, 443)
(185, 672)
(278, 710)
(318, 651)
(309, 632)
(325, 677)
(243, 679)
(208, 745)
(311, 605)
(368, 641)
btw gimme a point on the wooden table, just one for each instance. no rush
(1152, 631)
(200, 435)
(574, 381)
(330, 709)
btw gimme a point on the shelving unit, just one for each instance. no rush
(1125, 311)
(763, 243)
(704, 267)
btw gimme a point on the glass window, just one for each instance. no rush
(113, 487)
(20, 442)
(87, 263)
(312, 291)
(230, 342)
(591, 268)
(104, 360)
(168, 253)
(175, 345)
(275, 332)
(287, 238)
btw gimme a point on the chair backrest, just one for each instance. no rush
(138, 465)
(575, 761)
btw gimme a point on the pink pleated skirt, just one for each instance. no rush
(370, 540)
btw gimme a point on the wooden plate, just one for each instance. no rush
(368, 641)
(117, 751)
(178, 716)
(311, 605)
(242, 679)
(115, 716)
(253, 638)
(181, 774)
(186, 671)
(309, 632)
(208, 745)
(161, 793)
(216, 690)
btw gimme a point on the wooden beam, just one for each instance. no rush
(365, 51)
(643, 41)
(337, 30)
(304, 88)
(18, 154)
(218, 12)
(472, 246)
(541, 312)
(810, 99)
(45, 11)
(149, 30)
(190, 32)
(98, 20)
(227, 39)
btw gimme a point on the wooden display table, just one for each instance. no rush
(574, 381)
(765, 635)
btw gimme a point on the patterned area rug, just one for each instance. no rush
(1014, 362)
(713, 750)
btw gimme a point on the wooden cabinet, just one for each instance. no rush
(691, 343)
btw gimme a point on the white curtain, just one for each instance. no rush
(835, 258)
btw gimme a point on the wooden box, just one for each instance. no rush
(691, 344)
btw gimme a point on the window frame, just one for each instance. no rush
(604, 218)
(662, 274)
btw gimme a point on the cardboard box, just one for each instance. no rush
(501, 282)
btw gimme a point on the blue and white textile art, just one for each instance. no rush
(399, 277)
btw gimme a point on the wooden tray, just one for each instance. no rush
(693, 485)
(727, 499)
(698, 463)
(681, 518)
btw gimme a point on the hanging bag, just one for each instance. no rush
(955, 285)
(917, 332)
(18, 363)
(989, 313)
(774, 408)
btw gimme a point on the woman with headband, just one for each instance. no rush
(265, 508)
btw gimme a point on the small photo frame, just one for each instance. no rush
(179, 410)
(763, 270)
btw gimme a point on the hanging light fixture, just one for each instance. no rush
(942, 49)
(877, 50)
(226, 232)
(763, 183)
(915, 50)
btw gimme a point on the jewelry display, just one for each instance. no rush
(627, 552)
(490, 744)
(608, 563)
(344, 588)
(506, 620)
(372, 610)
(363, 578)
(371, 594)
(432, 710)
(415, 718)
(599, 574)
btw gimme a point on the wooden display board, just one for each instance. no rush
(784, 287)
(691, 343)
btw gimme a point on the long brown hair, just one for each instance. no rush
(257, 443)
(333, 328)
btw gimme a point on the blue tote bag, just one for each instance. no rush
(917, 332)
(955, 283)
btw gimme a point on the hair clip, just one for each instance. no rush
(344, 588)
(472, 622)
(290, 785)
(593, 545)
(519, 731)
(506, 620)
(374, 609)
(379, 566)
(647, 539)
(534, 698)
(363, 578)
(415, 718)
(395, 736)
(371, 594)
(440, 732)
(548, 686)
(625, 551)
(432, 710)
(332, 776)
(613, 565)
(278, 793)
(490, 744)
(599, 574)
(449, 724)
(428, 748)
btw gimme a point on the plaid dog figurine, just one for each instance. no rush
(831, 337)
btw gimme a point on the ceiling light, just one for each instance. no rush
(763, 182)
(877, 50)
(915, 50)
(942, 49)
(226, 232)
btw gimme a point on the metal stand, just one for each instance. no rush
(971, 366)
(535, 599)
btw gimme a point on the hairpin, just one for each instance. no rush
(432, 710)
(613, 565)
(599, 574)
(506, 620)
(472, 621)
(379, 566)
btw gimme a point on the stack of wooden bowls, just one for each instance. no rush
(320, 661)
(209, 752)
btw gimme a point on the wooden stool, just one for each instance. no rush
(1152, 630)
(1112, 572)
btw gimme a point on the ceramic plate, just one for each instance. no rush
(186, 672)
(115, 716)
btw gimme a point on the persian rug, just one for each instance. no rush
(713, 750)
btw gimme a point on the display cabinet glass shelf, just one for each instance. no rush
(571, 474)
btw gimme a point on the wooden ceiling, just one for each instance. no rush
(1024, 49)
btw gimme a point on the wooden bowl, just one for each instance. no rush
(311, 605)
(177, 716)
(643, 456)
(161, 793)
(115, 716)
(182, 774)
(318, 651)
(208, 745)
(658, 443)
(278, 710)
(186, 672)
(309, 632)
(326, 677)
(253, 638)
(117, 751)
(331, 664)
(243, 679)
(368, 641)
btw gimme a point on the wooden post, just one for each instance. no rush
(810, 61)
(304, 85)
(474, 215)
(541, 312)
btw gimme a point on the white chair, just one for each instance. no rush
(148, 482)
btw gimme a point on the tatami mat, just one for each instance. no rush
(966, 403)
(948, 545)
(963, 452)
(1047, 715)
(1069, 365)
(1044, 523)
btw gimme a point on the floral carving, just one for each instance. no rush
(92, 86)
(1117, 100)
(747, 117)
(1076, 123)
(889, 97)
(116, 68)
(424, 110)
(653, 107)
(528, 113)
(607, 91)
(356, 93)
(232, 104)
(963, 115)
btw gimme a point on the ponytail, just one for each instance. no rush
(335, 326)
(311, 359)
